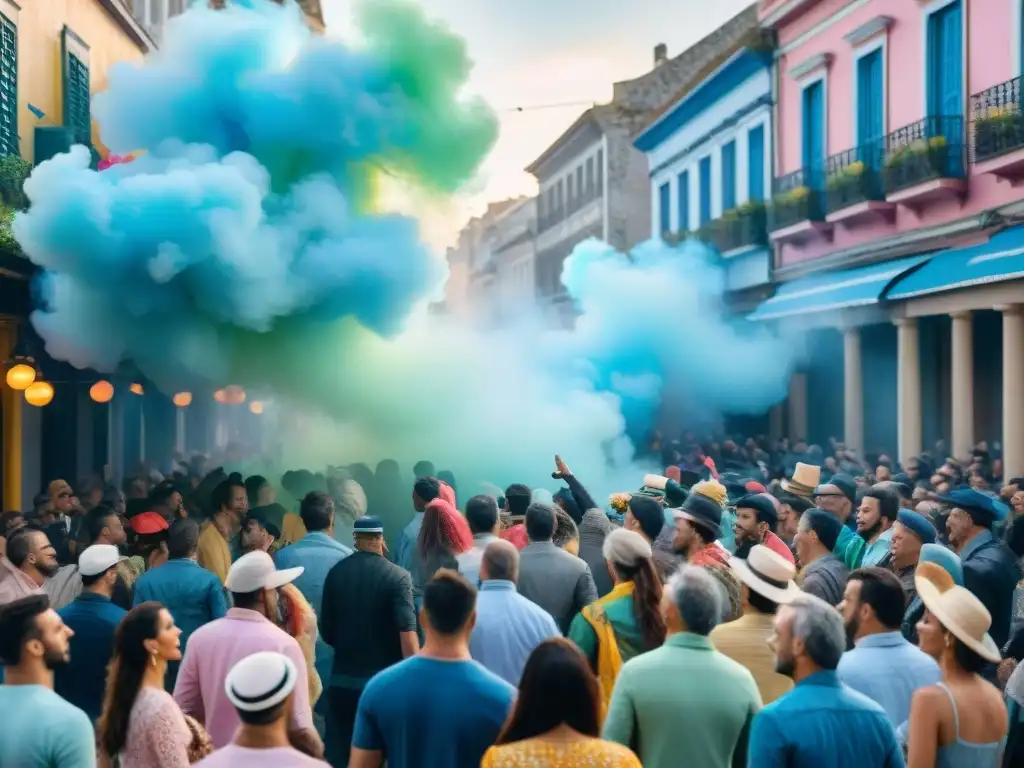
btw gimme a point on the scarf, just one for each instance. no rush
(609, 659)
(711, 556)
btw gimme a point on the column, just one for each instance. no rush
(798, 407)
(776, 422)
(908, 394)
(853, 391)
(962, 370)
(1013, 391)
(11, 401)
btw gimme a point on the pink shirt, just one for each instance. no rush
(213, 650)
(157, 734)
(778, 546)
(15, 583)
(280, 757)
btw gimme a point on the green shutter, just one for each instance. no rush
(8, 87)
(77, 94)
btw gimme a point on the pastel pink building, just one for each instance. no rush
(899, 149)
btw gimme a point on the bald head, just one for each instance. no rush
(500, 562)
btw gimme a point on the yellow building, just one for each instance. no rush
(54, 54)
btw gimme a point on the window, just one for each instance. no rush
(870, 100)
(684, 202)
(559, 200)
(75, 71)
(590, 172)
(8, 87)
(570, 196)
(579, 181)
(729, 176)
(600, 171)
(664, 210)
(704, 200)
(945, 61)
(755, 164)
(814, 130)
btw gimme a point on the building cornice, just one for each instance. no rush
(131, 27)
(868, 30)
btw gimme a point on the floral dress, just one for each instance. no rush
(158, 736)
(537, 753)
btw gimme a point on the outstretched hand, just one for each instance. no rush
(561, 470)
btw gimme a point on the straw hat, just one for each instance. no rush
(767, 573)
(805, 479)
(957, 609)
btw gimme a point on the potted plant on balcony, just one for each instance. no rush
(1000, 130)
(793, 206)
(850, 185)
(921, 160)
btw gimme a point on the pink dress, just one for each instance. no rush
(157, 734)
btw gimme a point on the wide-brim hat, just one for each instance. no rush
(806, 478)
(702, 511)
(767, 573)
(957, 609)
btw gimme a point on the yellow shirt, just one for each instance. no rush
(293, 529)
(214, 553)
(745, 641)
(586, 753)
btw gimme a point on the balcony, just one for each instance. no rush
(999, 132)
(574, 204)
(797, 213)
(854, 193)
(924, 162)
(739, 229)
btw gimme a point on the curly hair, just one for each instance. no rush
(444, 529)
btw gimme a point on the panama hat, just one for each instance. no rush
(260, 681)
(805, 479)
(957, 609)
(767, 573)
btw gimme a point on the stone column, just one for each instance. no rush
(798, 407)
(776, 422)
(853, 391)
(962, 371)
(908, 395)
(11, 401)
(1013, 391)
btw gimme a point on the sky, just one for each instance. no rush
(536, 53)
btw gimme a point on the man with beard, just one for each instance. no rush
(38, 729)
(882, 664)
(821, 721)
(877, 513)
(756, 521)
(31, 560)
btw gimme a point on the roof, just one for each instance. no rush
(601, 114)
(122, 15)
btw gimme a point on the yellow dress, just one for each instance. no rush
(536, 753)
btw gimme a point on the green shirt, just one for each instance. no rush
(684, 703)
(618, 607)
(849, 548)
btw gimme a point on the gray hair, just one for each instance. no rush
(820, 627)
(500, 561)
(698, 597)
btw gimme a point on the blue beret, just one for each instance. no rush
(917, 524)
(946, 559)
(971, 500)
(367, 524)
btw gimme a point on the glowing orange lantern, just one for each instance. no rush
(136, 389)
(256, 407)
(182, 399)
(21, 376)
(234, 395)
(101, 392)
(39, 393)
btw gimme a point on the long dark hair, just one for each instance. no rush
(557, 687)
(647, 591)
(124, 674)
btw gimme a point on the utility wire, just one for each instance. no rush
(537, 107)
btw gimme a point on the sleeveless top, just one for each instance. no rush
(966, 754)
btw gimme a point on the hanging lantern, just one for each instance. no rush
(256, 407)
(20, 376)
(183, 399)
(221, 396)
(234, 395)
(136, 389)
(39, 393)
(101, 392)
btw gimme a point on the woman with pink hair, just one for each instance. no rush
(443, 535)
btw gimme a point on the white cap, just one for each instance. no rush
(261, 681)
(98, 558)
(256, 571)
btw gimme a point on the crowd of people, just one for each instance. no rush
(755, 604)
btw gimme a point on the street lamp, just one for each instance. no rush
(39, 393)
(101, 392)
(20, 376)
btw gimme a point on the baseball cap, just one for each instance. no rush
(260, 681)
(255, 571)
(148, 523)
(98, 558)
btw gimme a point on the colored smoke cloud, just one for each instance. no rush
(244, 247)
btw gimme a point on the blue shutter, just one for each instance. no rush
(705, 191)
(945, 61)
(755, 163)
(814, 133)
(729, 176)
(870, 98)
(684, 202)
(664, 210)
(8, 87)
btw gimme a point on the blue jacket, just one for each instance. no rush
(991, 573)
(94, 620)
(317, 553)
(192, 594)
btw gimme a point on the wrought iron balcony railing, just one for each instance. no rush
(998, 121)
(855, 176)
(929, 149)
(796, 197)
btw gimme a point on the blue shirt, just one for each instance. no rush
(508, 627)
(94, 620)
(41, 730)
(192, 594)
(887, 669)
(317, 553)
(407, 542)
(429, 713)
(874, 553)
(822, 722)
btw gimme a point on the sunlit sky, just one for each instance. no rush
(535, 53)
